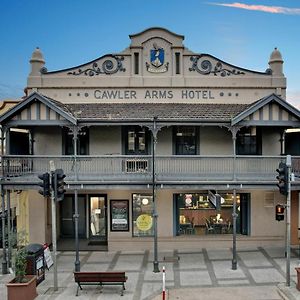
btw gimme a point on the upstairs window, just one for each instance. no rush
(185, 140)
(136, 140)
(248, 141)
(177, 62)
(136, 63)
(82, 142)
(19, 141)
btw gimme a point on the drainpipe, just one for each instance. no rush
(155, 215)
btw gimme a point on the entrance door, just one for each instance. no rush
(245, 214)
(67, 210)
(98, 217)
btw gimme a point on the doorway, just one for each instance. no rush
(67, 210)
(97, 219)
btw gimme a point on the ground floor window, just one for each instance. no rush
(197, 215)
(142, 212)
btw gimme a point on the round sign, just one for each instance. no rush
(144, 222)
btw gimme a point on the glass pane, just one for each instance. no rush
(142, 140)
(142, 211)
(199, 217)
(98, 217)
(185, 140)
(131, 141)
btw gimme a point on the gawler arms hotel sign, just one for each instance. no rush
(154, 94)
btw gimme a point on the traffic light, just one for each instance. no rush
(283, 178)
(59, 184)
(279, 212)
(45, 185)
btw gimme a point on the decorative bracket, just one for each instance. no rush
(234, 130)
(75, 130)
(154, 128)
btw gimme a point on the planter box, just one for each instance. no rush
(22, 291)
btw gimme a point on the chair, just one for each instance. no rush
(227, 228)
(209, 228)
(182, 229)
(191, 229)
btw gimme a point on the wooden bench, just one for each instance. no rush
(101, 278)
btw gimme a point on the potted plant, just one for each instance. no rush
(22, 287)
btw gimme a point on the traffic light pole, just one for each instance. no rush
(234, 216)
(288, 221)
(53, 214)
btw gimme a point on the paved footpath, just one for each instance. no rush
(190, 275)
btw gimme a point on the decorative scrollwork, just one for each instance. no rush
(111, 65)
(44, 70)
(206, 67)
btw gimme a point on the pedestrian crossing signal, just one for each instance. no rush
(279, 214)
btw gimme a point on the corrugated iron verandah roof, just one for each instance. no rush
(163, 111)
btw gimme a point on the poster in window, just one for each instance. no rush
(119, 215)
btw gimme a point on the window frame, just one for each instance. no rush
(176, 144)
(133, 214)
(248, 143)
(83, 142)
(136, 129)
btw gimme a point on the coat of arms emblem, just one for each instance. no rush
(157, 59)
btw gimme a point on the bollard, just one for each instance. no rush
(164, 284)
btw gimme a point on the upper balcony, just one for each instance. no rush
(250, 171)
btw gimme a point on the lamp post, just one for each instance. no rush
(155, 215)
(288, 220)
(76, 214)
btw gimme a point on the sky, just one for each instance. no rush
(73, 32)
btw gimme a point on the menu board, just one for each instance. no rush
(47, 256)
(119, 215)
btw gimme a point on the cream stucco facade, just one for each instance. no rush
(209, 127)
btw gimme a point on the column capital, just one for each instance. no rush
(154, 128)
(234, 130)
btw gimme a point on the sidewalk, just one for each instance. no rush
(204, 274)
